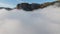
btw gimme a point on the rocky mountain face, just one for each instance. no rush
(31, 7)
(28, 7)
(34, 6)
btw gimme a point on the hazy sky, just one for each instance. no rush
(12, 3)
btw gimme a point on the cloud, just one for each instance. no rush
(41, 21)
(20, 1)
(23, 1)
(6, 5)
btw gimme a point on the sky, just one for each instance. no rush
(13, 3)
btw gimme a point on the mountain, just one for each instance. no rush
(6, 8)
(31, 7)
(34, 6)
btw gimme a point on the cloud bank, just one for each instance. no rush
(41, 21)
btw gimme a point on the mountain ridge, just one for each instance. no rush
(31, 7)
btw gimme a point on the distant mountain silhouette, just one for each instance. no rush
(28, 7)
(6, 8)
(31, 7)
(34, 6)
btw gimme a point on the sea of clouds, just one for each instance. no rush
(41, 21)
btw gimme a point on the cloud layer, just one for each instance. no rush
(41, 21)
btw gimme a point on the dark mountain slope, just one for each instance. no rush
(34, 6)
(31, 7)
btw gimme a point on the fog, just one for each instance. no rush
(41, 21)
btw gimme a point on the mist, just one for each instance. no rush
(41, 21)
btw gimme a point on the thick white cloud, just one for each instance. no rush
(21, 22)
(41, 21)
